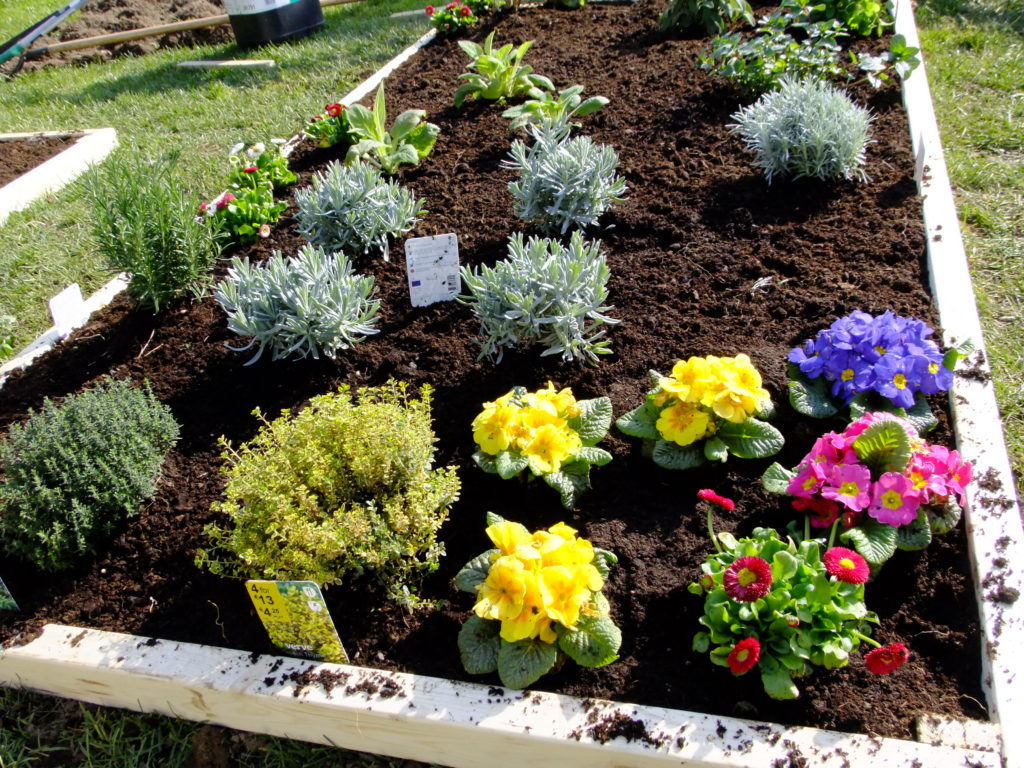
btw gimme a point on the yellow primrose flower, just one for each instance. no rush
(526, 623)
(734, 402)
(551, 446)
(508, 536)
(683, 423)
(689, 379)
(565, 593)
(503, 593)
(563, 400)
(571, 553)
(493, 429)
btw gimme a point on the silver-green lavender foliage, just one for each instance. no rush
(563, 182)
(355, 209)
(307, 305)
(543, 293)
(74, 472)
(806, 128)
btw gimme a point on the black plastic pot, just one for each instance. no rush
(258, 22)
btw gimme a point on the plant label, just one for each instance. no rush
(68, 310)
(432, 265)
(296, 618)
(919, 162)
(7, 602)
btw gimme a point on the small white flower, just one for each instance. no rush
(256, 150)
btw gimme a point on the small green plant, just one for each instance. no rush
(538, 601)
(806, 128)
(346, 486)
(409, 140)
(330, 128)
(543, 293)
(8, 325)
(497, 75)
(74, 472)
(713, 16)
(299, 306)
(145, 225)
(548, 432)
(244, 213)
(557, 110)
(865, 17)
(563, 182)
(354, 209)
(901, 59)
(784, 608)
(260, 162)
(455, 16)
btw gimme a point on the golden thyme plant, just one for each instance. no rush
(343, 486)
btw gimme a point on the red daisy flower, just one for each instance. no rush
(430, 10)
(882, 661)
(823, 512)
(747, 579)
(744, 655)
(464, 10)
(709, 495)
(250, 169)
(335, 109)
(846, 565)
(707, 581)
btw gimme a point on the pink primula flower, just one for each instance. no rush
(894, 501)
(806, 483)
(959, 474)
(849, 485)
(926, 473)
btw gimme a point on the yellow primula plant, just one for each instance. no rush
(548, 432)
(538, 601)
(705, 410)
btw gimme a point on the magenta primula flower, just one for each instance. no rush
(747, 579)
(894, 500)
(849, 485)
(959, 474)
(807, 481)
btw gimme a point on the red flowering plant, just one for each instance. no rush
(329, 128)
(783, 607)
(260, 162)
(451, 18)
(888, 488)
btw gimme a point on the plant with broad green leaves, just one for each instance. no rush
(543, 293)
(555, 110)
(714, 16)
(901, 59)
(806, 128)
(865, 17)
(409, 140)
(548, 432)
(354, 209)
(538, 600)
(563, 182)
(348, 486)
(784, 607)
(145, 225)
(74, 472)
(299, 306)
(497, 75)
(705, 410)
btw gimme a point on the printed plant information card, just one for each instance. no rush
(297, 620)
(432, 265)
(7, 599)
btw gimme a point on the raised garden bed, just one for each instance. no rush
(685, 252)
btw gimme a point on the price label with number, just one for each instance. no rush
(296, 619)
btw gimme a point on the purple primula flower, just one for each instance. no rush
(936, 377)
(896, 379)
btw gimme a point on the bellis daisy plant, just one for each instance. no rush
(548, 432)
(892, 489)
(329, 128)
(705, 410)
(451, 18)
(538, 600)
(260, 162)
(876, 362)
(781, 607)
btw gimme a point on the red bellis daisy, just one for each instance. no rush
(429, 10)
(464, 10)
(335, 109)
(250, 169)
(747, 579)
(889, 658)
(846, 565)
(744, 655)
(709, 495)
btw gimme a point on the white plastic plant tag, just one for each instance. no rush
(297, 620)
(432, 266)
(68, 310)
(919, 163)
(7, 602)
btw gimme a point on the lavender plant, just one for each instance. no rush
(299, 306)
(353, 209)
(806, 128)
(564, 182)
(543, 293)
(558, 110)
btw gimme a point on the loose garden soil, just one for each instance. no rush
(706, 258)
(22, 155)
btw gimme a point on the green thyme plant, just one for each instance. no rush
(557, 110)
(497, 75)
(344, 486)
(354, 209)
(563, 182)
(145, 225)
(409, 140)
(74, 472)
(713, 16)
(299, 306)
(806, 128)
(542, 293)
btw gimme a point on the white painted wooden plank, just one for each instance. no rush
(992, 515)
(956, 732)
(410, 716)
(228, 64)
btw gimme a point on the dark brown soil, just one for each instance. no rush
(699, 228)
(21, 156)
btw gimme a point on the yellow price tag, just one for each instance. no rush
(270, 605)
